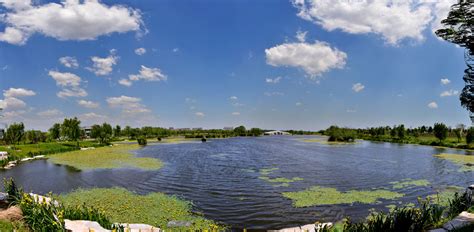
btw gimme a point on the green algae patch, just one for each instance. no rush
(117, 156)
(123, 206)
(465, 161)
(278, 181)
(443, 196)
(409, 183)
(318, 195)
(267, 171)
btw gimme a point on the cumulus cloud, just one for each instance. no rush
(140, 51)
(314, 58)
(301, 36)
(18, 92)
(67, 20)
(128, 105)
(50, 113)
(88, 104)
(69, 62)
(69, 83)
(433, 105)
(445, 81)
(74, 92)
(148, 74)
(12, 104)
(393, 20)
(125, 82)
(357, 87)
(449, 93)
(275, 80)
(199, 114)
(233, 98)
(103, 66)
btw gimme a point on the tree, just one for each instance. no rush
(459, 29)
(34, 136)
(470, 135)
(102, 133)
(55, 131)
(241, 131)
(15, 133)
(256, 131)
(117, 131)
(127, 131)
(440, 131)
(401, 132)
(71, 130)
(458, 133)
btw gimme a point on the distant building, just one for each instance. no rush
(277, 132)
(229, 128)
(87, 131)
(197, 128)
(171, 128)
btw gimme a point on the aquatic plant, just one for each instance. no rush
(465, 161)
(121, 205)
(117, 156)
(459, 203)
(281, 181)
(409, 183)
(14, 193)
(318, 195)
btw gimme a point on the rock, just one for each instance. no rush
(140, 228)
(83, 226)
(292, 229)
(462, 220)
(309, 228)
(179, 224)
(306, 228)
(26, 159)
(13, 213)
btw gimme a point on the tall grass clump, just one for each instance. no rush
(142, 141)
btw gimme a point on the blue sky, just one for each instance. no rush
(270, 64)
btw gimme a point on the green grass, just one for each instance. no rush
(318, 195)
(23, 150)
(465, 161)
(409, 183)
(117, 156)
(123, 206)
(12, 226)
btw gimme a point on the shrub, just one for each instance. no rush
(459, 203)
(14, 193)
(470, 135)
(142, 141)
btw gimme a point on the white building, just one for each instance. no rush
(277, 132)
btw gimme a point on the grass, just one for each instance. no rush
(318, 195)
(279, 181)
(23, 150)
(409, 183)
(13, 226)
(123, 206)
(117, 156)
(465, 161)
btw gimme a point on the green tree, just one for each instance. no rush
(15, 133)
(103, 133)
(458, 29)
(470, 135)
(117, 131)
(34, 136)
(440, 131)
(55, 131)
(240, 131)
(256, 131)
(401, 132)
(458, 133)
(71, 129)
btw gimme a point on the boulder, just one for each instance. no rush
(140, 228)
(83, 226)
(462, 220)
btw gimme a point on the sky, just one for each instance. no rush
(274, 64)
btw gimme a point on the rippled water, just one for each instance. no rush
(217, 176)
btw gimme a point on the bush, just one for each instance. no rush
(142, 141)
(470, 135)
(14, 193)
(459, 203)
(337, 134)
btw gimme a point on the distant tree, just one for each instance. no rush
(241, 131)
(459, 29)
(34, 136)
(15, 133)
(458, 133)
(127, 131)
(393, 132)
(470, 135)
(117, 131)
(256, 131)
(440, 131)
(401, 132)
(103, 133)
(71, 129)
(55, 131)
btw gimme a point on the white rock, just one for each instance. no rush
(83, 226)
(140, 228)
(463, 219)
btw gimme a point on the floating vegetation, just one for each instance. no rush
(121, 205)
(318, 195)
(409, 183)
(465, 161)
(280, 181)
(117, 156)
(443, 196)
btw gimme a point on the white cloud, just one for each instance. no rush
(73, 92)
(88, 104)
(270, 94)
(50, 113)
(301, 36)
(236, 104)
(12, 103)
(236, 113)
(140, 51)
(233, 98)
(357, 87)
(314, 58)
(433, 105)
(393, 20)
(449, 93)
(299, 104)
(104, 66)
(440, 12)
(18, 92)
(351, 111)
(69, 62)
(65, 79)
(67, 20)
(445, 81)
(92, 118)
(148, 74)
(129, 105)
(275, 80)
(199, 114)
(175, 49)
(125, 82)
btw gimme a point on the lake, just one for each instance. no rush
(223, 177)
